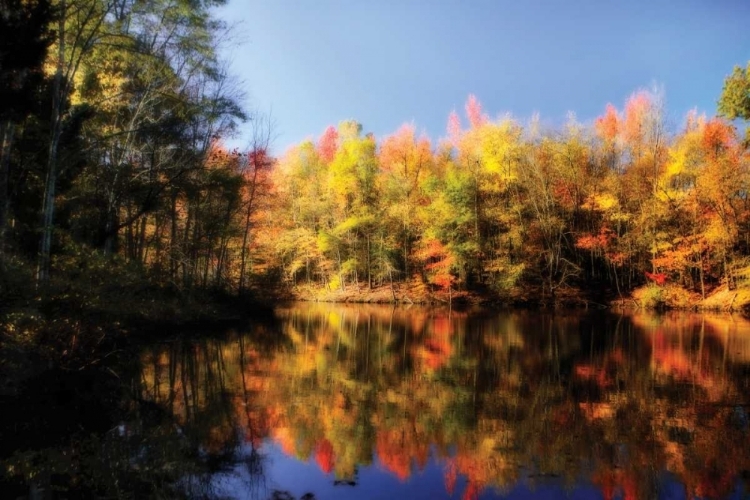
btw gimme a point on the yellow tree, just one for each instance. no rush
(405, 161)
(721, 193)
(303, 206)
(489, 154)
(352, 178)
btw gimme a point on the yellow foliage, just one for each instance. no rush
(718, 233)
(676, 163)
(499, 144)
(602, 202)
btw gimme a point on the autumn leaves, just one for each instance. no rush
(511, 207)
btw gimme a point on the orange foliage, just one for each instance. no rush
(393, 454)
(607, 126)
(439, 261)
(403, 150)
(596, 242)
(442, 325)
(717, 136)
(285, 439)
(636, 109)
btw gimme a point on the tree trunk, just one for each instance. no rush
(6, 132)
(58, 101)
(246, 234)
(369, 265)
(173, 241)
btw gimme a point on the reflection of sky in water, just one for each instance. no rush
(413, 400)
(285, 473)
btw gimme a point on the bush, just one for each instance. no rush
(653, 296)
(650, 296)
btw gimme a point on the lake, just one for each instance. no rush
(336, 401)
(359, 401)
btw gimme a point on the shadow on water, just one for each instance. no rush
(338, 401)
(89, 433)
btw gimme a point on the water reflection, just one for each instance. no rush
(465, 405)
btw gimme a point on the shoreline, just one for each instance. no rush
(648, 298)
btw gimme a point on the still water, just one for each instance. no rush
(338, 401)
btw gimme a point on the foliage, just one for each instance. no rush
(527, 214)
(484, 398)
(131, 104)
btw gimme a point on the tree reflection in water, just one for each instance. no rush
(625, 404)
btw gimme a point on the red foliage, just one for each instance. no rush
(596, 374)
(612, 481)
(607, 125)
(588, 242)
(258, 159)
(324, 456)
(714, 482)
(328, 144)
(439, 261)
(563, 192)
(474, 112)
(451, 474)
(471, 492)
(658, 278)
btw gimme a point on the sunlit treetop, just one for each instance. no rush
(474, 112)
(607, 125)
(735, 97)
(636, 113)
(454, 128)
(328, 144)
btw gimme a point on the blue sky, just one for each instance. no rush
(314, 63)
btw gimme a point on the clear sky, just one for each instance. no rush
(317, 62)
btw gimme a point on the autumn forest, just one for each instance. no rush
(113, 167)
(149, 343)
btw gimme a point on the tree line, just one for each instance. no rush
(113, 116)
(111, 151)
(520, 209)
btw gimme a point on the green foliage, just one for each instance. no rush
(651, 296)
(735, 96)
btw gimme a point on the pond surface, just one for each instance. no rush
(332, 401)
(337, 401)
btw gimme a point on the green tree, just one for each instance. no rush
(734, 101)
